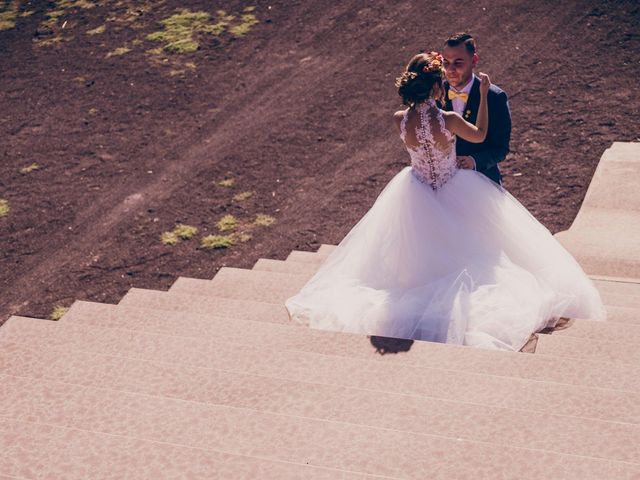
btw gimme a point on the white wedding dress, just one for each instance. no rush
(446, 255)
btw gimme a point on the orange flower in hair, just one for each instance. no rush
(435, 64)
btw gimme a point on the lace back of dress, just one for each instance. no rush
(433, 160)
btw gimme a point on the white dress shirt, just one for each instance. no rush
(457, 103)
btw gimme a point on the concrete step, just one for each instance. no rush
(281, 266)
(33, 451)
(416, 414)
(626, 315)
(619, 286)
(605, 242)
(329, 444)
(514, 393)
(299, 338)
(595, 349)
(306, 257)
(225, 307)
(237, 429)
(608, 331)
(621, 300)
(326, 249)
(240, 283)
(276, 287)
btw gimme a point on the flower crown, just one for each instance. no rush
(435, 64)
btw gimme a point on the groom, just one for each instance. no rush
(462, 95)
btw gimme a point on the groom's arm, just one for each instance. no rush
(497, 142)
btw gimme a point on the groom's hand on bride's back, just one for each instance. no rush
(466, 162)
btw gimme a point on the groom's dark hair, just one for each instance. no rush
(462, 39)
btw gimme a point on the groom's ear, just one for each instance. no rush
(474, 59)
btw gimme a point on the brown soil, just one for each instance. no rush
(298, 111)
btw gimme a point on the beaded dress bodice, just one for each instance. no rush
(433, 161)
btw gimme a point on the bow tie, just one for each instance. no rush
(462, 96)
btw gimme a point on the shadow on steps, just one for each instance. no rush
(384, 345)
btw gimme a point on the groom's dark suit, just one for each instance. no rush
(495, 147)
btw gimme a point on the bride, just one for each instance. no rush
(445, 254)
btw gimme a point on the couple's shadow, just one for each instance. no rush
(384, 345)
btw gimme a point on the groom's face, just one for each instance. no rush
(458, 65)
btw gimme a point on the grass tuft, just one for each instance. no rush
(8, 14)
(247, 20)
(181, 232)
(179, 31)
(227, 182)
(117, 52)
(217, 241)
(57, 312)
(241, 197)
(97, 30)
(185, 232)
(4, 208)
(243, 237)
(264, 220)
(226, 223)
(30, 168)
(169, 238)
(75, 4)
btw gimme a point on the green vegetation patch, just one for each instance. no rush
(181, 30)
(264, 220)
(185, 232)
(241, 197)
(247, 21)
(61, 8)
(118, 52)
(181, 232)
(227, 182)
(217, 241)
(8, 14)
(58, 312)
(97, 30)
(75, 4)
(226, 223)
(4, 208)
(169, 238)
(30, 168)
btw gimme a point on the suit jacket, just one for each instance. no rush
(495, 147)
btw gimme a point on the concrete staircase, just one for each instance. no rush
(211, 380)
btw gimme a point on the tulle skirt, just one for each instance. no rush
(466, 264)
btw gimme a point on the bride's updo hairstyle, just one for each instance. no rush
(416, 82)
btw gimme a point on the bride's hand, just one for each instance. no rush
(485, 83)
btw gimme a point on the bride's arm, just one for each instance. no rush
(468, 131)
(397, 118)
